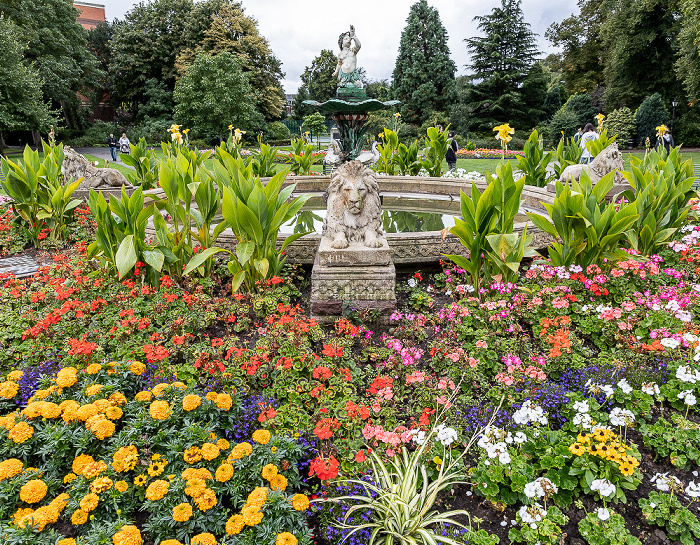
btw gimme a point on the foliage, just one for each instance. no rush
(145, 164)
(41, 201)
(486, 228)
(563, 124)
(434, 151)
(586, 230)
(23, 106)
(689, 55)
(424, 73)
(387, 151)
(502, 64)
(533, 163)
(661, 189)
(316, 123)
(318, 79)
(547, 530)
(650, 114)
(407, 159)
(622, 123)
(302, 157)
(263, 160)
(677, 440)
(279, 131)
(159, 100)
(666, 511)
(568, 153)
(581, 104)
(609, 532)
(214, 94)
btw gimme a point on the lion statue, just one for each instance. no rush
(354, 208)
(605, 162)
(76, 166)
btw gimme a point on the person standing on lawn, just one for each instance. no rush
(112, 143)
(452, 149)
(589, 135)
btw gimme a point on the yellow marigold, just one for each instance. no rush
(144, 395)
(66, 377)
(102, 405)
(159, 388)
(285, 538)
(121, 486)
(41, 394)
(157, 490)
(224, 472)
(278, 482)
(258, 496)
(69, 478)
(20, 514)
(211, 396)
(66, 541)
(9, 468)
(160, 410)
(21, 432)
(251, 517)
(50, 410)
(93, 369)
(90, 422)
(192, 455)
(223, 444)
(79, 517)
(101, 484)
(191, 402)
(262, 436)
(128, 535)
(103, 429)
(137, 368)
(203, 539)
(89, 502)
(210, 451)
(178, 385)
(195, 488)
(33, 409)
(8, 421)
(269, 471)
(117, 398)
(224, 401)
(300, 502)
(93, 390)
(206, 500)
(114, 413)
(125, 459)
(234, 525)
(241, 450)
(8, 389)
(198, 473)
(170, 542)
(87, 410)
(15, 375)
(182, 512)
(94, 469)
(70, 411)
(33, 491)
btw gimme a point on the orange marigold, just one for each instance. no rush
(117, 398)
(157, 490)
(241, 450)
(269, 471)
(206, 500)
(224, 472)
(160, 410)
(191, 402)
(94, 469)
(128, 535)
(192, 455)
(224, 401)
(21, 432)
(137, 368)
(93, 368)
(9, 468)
(210, 451)
(300, 502)
(89, 502)
(79, 517)
(262, 436)
(125, 459)
(8, 389)
(103, 429)
(278, 482)
(159, 388)
(33, 491)
(93, 390)
(223, 444)
(182, 512)
(285, 538)
(234, 525)
(15, 375)
(87, 410)
(203, 539)
(100, 485)
(66, 377)
(121, 486)
(144, 395)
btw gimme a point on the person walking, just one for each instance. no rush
(112, 143)
(589, 135)
(124, 143)
(452, 148)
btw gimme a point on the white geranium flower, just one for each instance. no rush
(651, 388)
(663, 481)
(520, 437)
(604, 487)
(581, 407)
(625, 386)
(621, 417)
(603, 514)
(693, 490)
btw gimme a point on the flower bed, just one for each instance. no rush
(485, 153)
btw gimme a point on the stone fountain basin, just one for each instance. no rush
(407, 193)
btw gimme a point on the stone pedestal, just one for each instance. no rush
(363, 277)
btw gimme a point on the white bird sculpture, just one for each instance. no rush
(369, 157)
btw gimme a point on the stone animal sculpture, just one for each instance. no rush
(76, 166)
(606, 161)
(354, 208)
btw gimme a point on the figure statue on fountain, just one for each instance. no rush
(348, 75)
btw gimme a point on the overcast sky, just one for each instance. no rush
(298, 29)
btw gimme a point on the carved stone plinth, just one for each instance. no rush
(347, 277)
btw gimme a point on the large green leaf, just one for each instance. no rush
(126, 256)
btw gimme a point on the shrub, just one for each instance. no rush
(95, 135)
(650, 114)
(564, 122)
(279, 131)
(622, 123)
(581, 105)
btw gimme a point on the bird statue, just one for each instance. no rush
(333, 154)
(369, 157)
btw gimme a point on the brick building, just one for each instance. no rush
(90, 14)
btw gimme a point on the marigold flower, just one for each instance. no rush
(121, 486)
(144, 395)
(160, 410)
(278, 482)
(241, 450)
(157, 490)
(206, 500)
(86, 411)
(137, 368)
(33, 491)
(224, 472)
(79, 517)
(15, 375)
(210, 451)
(203, 539)
(89, 502)
(9, 468)
(177, 385)
(8, 389)
(211, 396)
(252, 518)
(93, 390)
(182, 512)
(158, 389)
(125, 459)
(69, 478)
(94, 469)
(191, 402)
(67, 377)
(192, 455)
(300, 502)
(224, 402)
(103, 429)
(285, 538)
(100, 485)
(195, 487)
(234, 525)
(223, 444)
(93, 368)
(269, 471)
(128, 535)
(21, 432)
(66, 541)
(261, 436)
(171, 542)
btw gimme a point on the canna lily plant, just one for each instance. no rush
(504, 135)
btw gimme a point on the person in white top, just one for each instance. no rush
(589, 135)
(124, 143)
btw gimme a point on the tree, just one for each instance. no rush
(650, 114)
(22, 106)
(555, 99)
(316, 123)
(424, 73)
(500, 63)
(56, 48)
(582, 107)
(688, 63)
(233, 31)
(639, 38)
(213, 94)
(300, 109)
(621, 122)
(583, 56)
(379, 89)
(159, 100)
(318, 78)
(534, 93)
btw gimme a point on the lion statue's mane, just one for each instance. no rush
(605, 162)
(76, 166)
(353, 186)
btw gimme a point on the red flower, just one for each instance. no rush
(325, 469)
(331, 351)
(217, 342)
(360, 456)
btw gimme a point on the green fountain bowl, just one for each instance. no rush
(340, 106)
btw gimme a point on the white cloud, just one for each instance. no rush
(299, 29)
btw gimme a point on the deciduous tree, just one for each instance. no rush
(318, 78)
